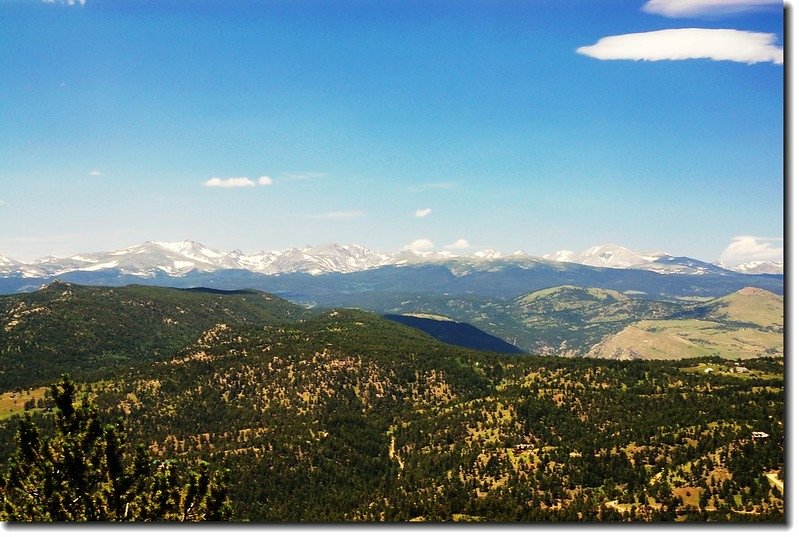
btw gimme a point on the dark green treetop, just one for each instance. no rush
(83, 472)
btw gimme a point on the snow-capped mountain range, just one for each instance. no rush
(609, 256)
(612, 256)
(179, 258)
(757, 267)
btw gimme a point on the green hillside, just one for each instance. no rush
(94, 331)
(571, 321)
(572, 297)
(568, 320)
(345, 416)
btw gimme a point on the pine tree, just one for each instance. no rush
(83, 473)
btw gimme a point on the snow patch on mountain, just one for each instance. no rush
(756, 267)
(619, 257)
(179, 258)
(100, 266)
(7, 262)
(488, 254)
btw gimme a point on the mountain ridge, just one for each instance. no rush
(176, 259)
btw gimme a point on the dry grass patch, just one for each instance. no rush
(688, 495)
(14, 402)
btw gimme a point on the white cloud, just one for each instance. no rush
(421, 213)
(233, 182)
(746, 248)
(336, 215)
(420, 245)
(687, 44)
(66, 2)
(459, 244)
(237, 182)
(692, 8)
(96, 173)
(2, 203)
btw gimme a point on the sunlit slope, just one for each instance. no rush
(744, 324)
(750, 305)
(570, 319)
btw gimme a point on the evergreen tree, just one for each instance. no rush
(83, 473)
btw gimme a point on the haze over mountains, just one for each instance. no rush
(179, 258)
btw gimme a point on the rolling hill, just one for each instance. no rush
(347, 416)
(744, 324)
(97, 330)
(569, 319)
(343, 415)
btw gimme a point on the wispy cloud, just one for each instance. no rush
(66, 2)
(335, 215)
(747, 248)
(688, 44)
(236, 182)
(2, 203)
(300, 176)
(420, 245)
(421, 213)
(694, 8)
(96, 173)
(423, 187)
(460, 244)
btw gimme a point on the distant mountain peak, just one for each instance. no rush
(756, 267)
(7, 261)
(488, 254)
(615, 256)
(603, 255)
(151, 258)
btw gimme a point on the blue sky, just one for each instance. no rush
(473, 124)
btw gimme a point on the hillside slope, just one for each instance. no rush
(568, 320)
(744, 324)
(455, 333)
(346, 416)
(750, 305)
(94, 330)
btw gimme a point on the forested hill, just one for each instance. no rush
(345, 416)
(95, 331)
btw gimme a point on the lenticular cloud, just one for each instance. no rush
(688, 44)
